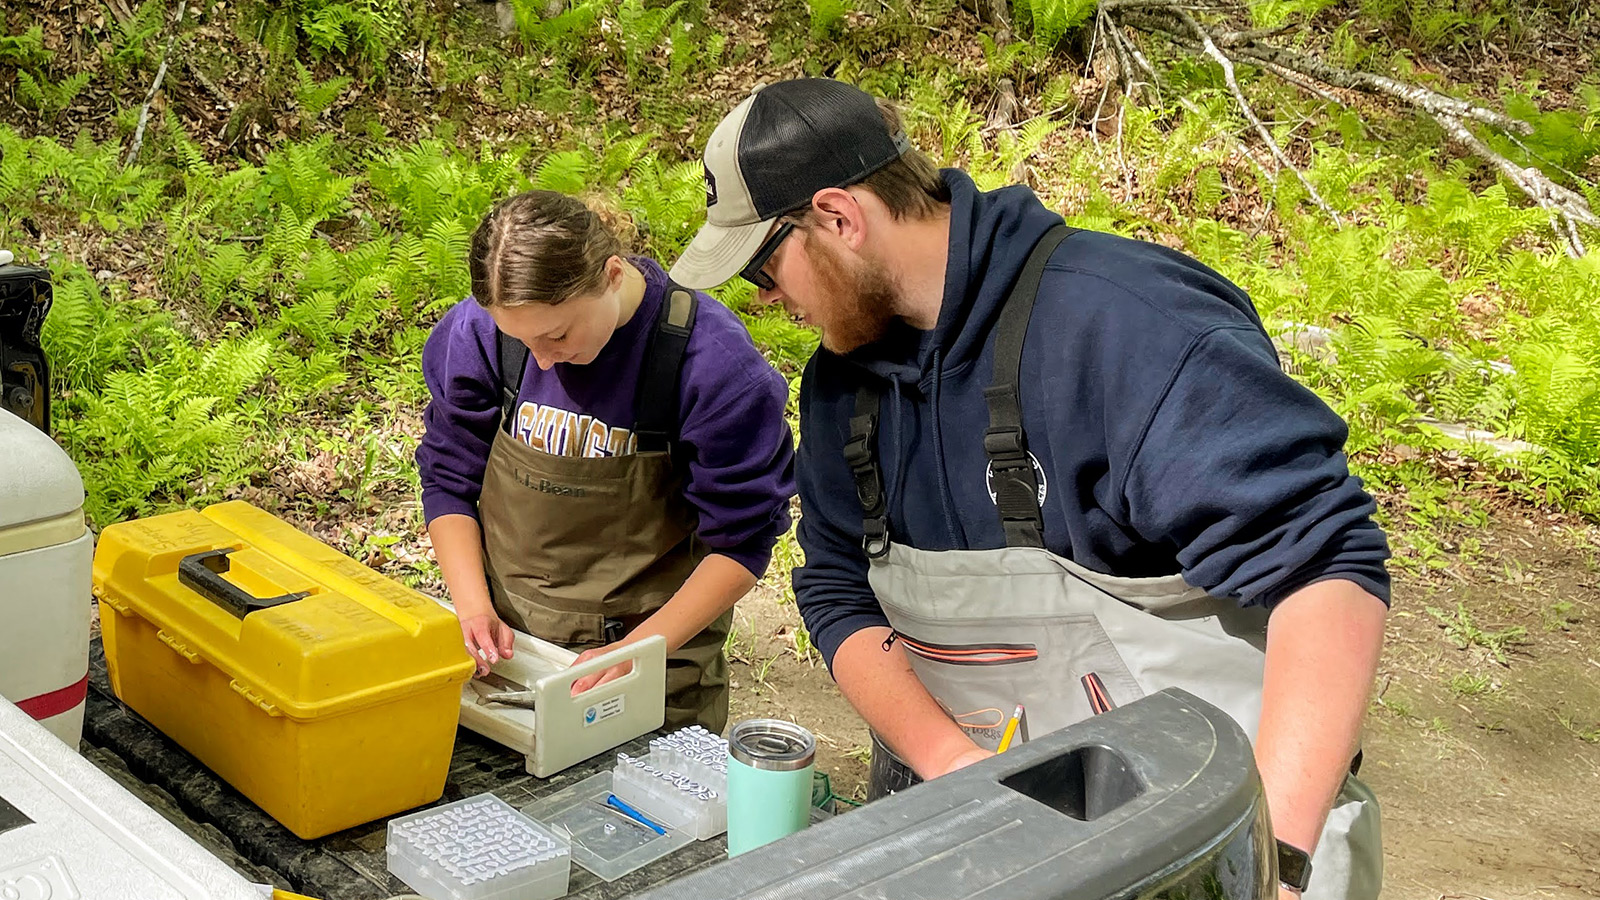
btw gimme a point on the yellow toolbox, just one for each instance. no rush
(323, 691)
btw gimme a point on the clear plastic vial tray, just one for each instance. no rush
(683, 783)
(479, 848)
(604, 840)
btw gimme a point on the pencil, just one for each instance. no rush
(1011, 729)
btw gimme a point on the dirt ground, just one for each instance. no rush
(1488, 772)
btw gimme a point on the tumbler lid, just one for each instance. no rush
(771, 744)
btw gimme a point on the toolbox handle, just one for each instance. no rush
(202, 573)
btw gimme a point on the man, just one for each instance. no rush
(1021, 478)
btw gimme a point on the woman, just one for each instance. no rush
(631, 481)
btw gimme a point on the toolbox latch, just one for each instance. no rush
(202, 573)
(178, 647)
(244, 691)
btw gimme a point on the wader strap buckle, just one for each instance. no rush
(655, 413)
(861, 455)
(1013, 480)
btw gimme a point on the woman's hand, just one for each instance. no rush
(598, 678)
(488, 639)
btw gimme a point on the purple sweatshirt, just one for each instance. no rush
(739, 446)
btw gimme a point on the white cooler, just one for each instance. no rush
(45, 554)
(68, 832)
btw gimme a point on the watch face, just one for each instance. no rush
(1294, 866)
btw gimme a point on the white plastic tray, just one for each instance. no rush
(562, 730)
(604, 841)
(478, 849)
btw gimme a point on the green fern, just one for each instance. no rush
(827, 17)
(131, 46)
(86, 338)
(1272, 13)
(572, 28)
(171, 433)
(641, 30)
(1052, 20)
(25, 50)
(50, 98)
(620, 157)
(568, 171)
(314, 95)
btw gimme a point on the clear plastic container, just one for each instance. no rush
(671, 798)
(694, 752)
(479, 848)
(604, 840)
(683, 783)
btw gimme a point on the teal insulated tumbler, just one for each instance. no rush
(769, 782)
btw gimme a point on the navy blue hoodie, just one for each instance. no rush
(1170, 439)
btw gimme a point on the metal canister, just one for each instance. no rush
(770, 762)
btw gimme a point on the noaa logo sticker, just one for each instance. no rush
(589, 715)
(1038, 475)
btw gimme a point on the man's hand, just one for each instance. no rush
(1323, 643)
(962, 760)
(879, 683)
(599, 678)
(488, 639)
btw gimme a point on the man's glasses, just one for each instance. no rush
(752, 271)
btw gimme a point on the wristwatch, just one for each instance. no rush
(1294, 867)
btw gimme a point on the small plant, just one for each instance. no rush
(1400, 706)
(1052, 20)
(642, 30)
(1467, 684)
(50, 98)
(1559, 616)
(804, 651)
(25, 50)
(1465, 633)
(563, 33)
(313, 94)
(827, 17)
(1589, 735)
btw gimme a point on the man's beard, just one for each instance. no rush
(861, 298)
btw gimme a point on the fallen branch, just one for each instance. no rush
(1163, 19)
(1173, 20)
(155, 87)
(1304, 84)
(1128, 57)
(1567, 208)
(1427, 100)
(1244, 105)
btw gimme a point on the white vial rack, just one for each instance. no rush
(478, 849)
(682, 785)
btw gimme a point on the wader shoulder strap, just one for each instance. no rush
(861, 454)
(655, 406)
(513, 362)
(1015, 485)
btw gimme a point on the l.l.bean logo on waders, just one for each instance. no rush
(546, 486)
